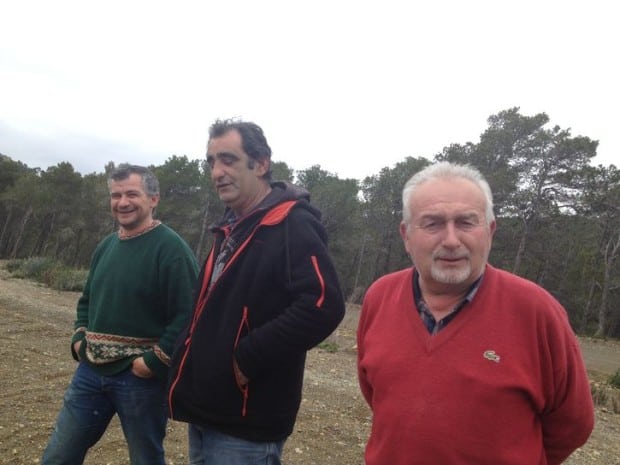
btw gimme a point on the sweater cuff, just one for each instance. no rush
(78, 335)
(155, 363)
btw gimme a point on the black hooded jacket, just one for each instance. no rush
(273, 295)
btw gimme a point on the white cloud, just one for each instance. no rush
(351, 86)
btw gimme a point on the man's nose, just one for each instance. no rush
(451, 237)
(216, 170)
(123, 200)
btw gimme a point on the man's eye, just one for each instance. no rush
(467, 224)
(430, 226)
(223, 159)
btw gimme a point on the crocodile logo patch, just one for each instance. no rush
(491, 355)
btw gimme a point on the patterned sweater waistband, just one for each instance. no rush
(106, 348)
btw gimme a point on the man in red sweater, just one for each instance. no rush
(460, 362)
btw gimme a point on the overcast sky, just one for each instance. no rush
(353, 86)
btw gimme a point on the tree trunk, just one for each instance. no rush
(610, 255)
(46, 237)
(79, 243)
(203, 231)
(585, 315)
(563, 281)
(5, 227)
(388, 254)
(20, 233)
(358, 268)
(520, 252)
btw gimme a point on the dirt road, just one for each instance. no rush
(333, 422)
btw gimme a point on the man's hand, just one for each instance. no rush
(242, 380)
(76, 348)
(140, 369)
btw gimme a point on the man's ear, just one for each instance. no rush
(262, 166)
(403, 231)
(154, 201)
(404, 234)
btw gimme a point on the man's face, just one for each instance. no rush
(448, 237)
(131, 206)
(236, 176)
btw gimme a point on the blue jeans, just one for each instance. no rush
(91, 401)
(210, 447)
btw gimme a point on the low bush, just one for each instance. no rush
(68, 279)
(49, 272)
(606, 395)
(600, 394)
(13, 265)
(327, 346)
(33, 268)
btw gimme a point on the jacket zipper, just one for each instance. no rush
(273, 217)
(244, 389)
(317, 270)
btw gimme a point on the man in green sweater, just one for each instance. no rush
(137, 298)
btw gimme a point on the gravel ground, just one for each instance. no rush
(333, 422)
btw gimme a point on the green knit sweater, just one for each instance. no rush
(137, 298)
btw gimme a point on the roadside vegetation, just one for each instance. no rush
(49, 272)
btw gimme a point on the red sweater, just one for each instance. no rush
(504, 383)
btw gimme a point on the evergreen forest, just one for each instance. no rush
(558, 215)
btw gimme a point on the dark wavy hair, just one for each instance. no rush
(253, 139)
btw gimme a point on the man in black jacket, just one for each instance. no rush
(268, 293)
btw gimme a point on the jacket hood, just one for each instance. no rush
(281, 191)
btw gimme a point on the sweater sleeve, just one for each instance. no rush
(569, 419)
(81, 323)
(365, 386)
(177, 281)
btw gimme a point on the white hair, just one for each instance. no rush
(443, 170)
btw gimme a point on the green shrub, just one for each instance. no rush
(13, 265)
(49, 272)
(36, 268)
(68, 279)
(614, 379)
(600, 394)
(330, 347)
